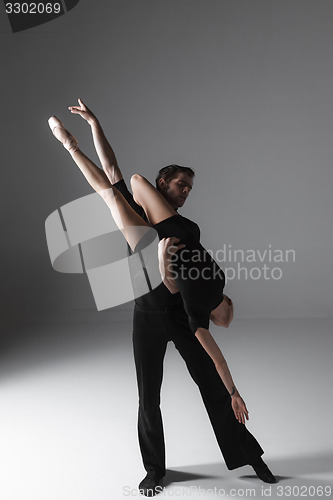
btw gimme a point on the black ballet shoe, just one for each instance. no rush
(150, 485)
(263, 472)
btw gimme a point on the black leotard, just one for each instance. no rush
(199, 278)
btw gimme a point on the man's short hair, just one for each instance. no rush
(170, 171)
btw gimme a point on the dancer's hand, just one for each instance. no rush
(167, 247)
(84, 112)
(240, 410)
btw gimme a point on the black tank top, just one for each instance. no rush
(199, 278)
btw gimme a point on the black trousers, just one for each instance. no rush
(152, 330)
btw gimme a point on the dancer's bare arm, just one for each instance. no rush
(104, 151)
(208, 343)
(166, 249)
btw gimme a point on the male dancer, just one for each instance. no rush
(159, 317)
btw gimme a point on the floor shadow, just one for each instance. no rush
(181, 476)
(288, 471)
(254, 476)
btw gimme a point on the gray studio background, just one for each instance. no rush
(240, 91)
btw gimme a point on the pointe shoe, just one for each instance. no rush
(63, 135)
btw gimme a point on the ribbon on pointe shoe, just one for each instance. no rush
(63, 135)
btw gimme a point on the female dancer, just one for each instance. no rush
(202, 291)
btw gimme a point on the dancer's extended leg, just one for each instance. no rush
(150, 199)
(128, 221)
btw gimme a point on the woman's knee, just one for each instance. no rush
(136, 178)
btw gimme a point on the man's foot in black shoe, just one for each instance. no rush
(150, 485)
(263, 471)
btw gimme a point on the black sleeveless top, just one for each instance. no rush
(199, 278)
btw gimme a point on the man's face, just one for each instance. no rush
(177, 190)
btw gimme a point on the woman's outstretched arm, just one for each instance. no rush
(104, 151)
(208, 343)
